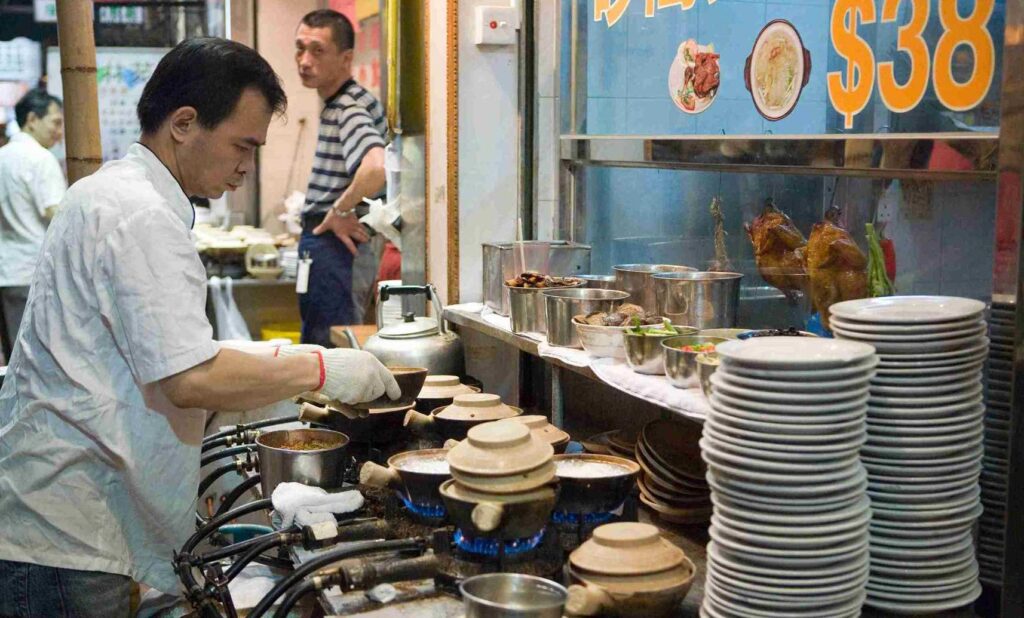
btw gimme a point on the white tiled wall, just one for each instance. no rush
(546, 110)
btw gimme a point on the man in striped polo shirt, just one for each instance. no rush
(348, 166)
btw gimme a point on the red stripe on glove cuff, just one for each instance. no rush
(323, 370)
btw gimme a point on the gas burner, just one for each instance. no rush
(494, 548)
(426, 512)
(587, 519)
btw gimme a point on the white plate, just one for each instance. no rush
(831, 554)
(897, 510)
(902, 329)
(799, 483)
(793, 386)
(966, 454)
(926, 586)
(770, 449)
(918, 471)
(742, 569)
(831, 492)
(794, 352)
(878, 539)
(945, 411)
(910, 361)
(801, 537)
(803, 524)
(908, 309)
(922, 483)
(921, 492)
(958, 518)
(789, 596)
(894, 372)
(916, 348)
(804, 443)
(827, 396)
(918, 571)
(932, 556)
(915, 451)
(921, 604)
(967, 394)
(923, 436)
(940, 334)
(861, 369)
(926, 380)
(824, 410)
(714, 453)
(933, 497)
(907, 388)
(728, 605)
(966, 415)
(958, 355)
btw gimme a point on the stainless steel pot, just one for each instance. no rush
(636, 280)
(601, 282)
(511, 595)
(417, 341)
(320, 468)
(562, 305)
(528, 312)
(698, 299)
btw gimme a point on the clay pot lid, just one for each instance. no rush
(541, 427)
(454, 489)
(444, 387)
(626, 548)
(507, 484)
(477, 407)
(679, 577)
(500, 448)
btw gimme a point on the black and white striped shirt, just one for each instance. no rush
(351, 123)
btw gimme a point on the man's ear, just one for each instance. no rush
(347, 57)
(183, 121)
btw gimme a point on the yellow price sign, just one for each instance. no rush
(851, 90)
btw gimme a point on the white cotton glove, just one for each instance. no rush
(353, 376)
(301, 348)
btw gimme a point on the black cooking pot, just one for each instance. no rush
(411, 477)
(377, 425)
(505, 517)
(581, 493)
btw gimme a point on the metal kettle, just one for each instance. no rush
(416, 341)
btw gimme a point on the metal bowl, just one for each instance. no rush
(707, 363)
(526, 308)
(511, 595)
(601, 282)
(637, 280)
(701, 299)
(320, 468)
(680, 366)
(725, 333)
(601, 341)
(644, 353)
(562, 304)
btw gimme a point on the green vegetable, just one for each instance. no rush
(878, 280)
(639, 329)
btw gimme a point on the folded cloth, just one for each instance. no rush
(498, 321)
(305, 505)
(569, 356)
(690, 402)
(466, 307)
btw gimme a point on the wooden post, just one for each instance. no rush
(78, 74)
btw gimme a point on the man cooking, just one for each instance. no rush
(31, 186)
(348, 166)
(101, 412)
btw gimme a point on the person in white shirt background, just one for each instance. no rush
(103, 408)
(31, 185)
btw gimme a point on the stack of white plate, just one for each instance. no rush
(991, 532)
(924, 446)
(790, 524)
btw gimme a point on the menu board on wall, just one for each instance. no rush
(121, 74)
(712, 67)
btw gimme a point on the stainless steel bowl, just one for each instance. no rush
(321, 468)
(601, 282)
(562, 304)
(526, 309)
(700, 299)
(636, 279)
(511, 595)
(644, 353)
(680, 366)
(707, 364)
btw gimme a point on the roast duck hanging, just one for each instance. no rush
(829, 265)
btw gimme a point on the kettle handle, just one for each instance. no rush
(387, 291)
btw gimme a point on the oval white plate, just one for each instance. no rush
(793, 386)
(964, 415)
(769, 449)
(902, 329)
(840, 408)
(919, 471)
(899, 453)
(714, 453)
(923, 436)
(943, 411)
(906, 388)
(968, 394)
(922, 347)
(893, 372)
(908, 309)
(835, 396)
(857, 370)
(913, 380)
(959, 354)
(794, 352)
(974, 330)
(825, 442)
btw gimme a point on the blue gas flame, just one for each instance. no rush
(490, 547)
(432, 511)
(561, 517)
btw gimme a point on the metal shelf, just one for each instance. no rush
(883, 155)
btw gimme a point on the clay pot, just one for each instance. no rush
(582, 493)
(500, 448)
(439, 391)
(540, 426)
(466, 411)
(503, 517)
(510, 483)
(419, 485)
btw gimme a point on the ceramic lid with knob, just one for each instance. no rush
(500, 448)
(444, 387)
(477, 407)
(541, 427)
(626, 548)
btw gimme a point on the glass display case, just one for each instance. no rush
(900, 114)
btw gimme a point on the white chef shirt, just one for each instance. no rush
(30, 182)
(98, 471)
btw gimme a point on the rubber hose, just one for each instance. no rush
(236, 493)
(228, 452)
(368, 547)
(237, 548)
(241, 427)
(215, 443)
(210, 478)
(293, 597)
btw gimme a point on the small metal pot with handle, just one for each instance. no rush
(416, 341)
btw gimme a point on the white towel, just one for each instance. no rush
(306, 505)
(569, 356)
(690, 402)
(466, 307)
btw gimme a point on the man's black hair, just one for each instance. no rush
(36, 101)
(210, 75)
(342, 33)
